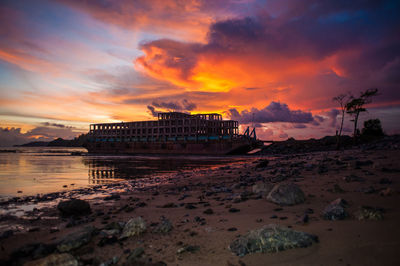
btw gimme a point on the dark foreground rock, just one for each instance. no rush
(63, 259)
(76, 240)
(286, 194)
(271, 238)
(335, 210)
(74, 207)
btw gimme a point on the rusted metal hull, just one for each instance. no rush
(198, 148)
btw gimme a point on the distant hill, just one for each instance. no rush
(76, 142)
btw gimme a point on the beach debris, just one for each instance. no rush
(271, 238)
(64, 259)
(164, 226)
(369, 213)
(74, 207)
(76, 240)
(335, 210)
(133, 227)
(286, 194)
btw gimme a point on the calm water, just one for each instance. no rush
(36, 170)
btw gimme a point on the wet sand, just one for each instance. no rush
(320, 175)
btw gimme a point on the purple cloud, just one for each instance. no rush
(274, 112)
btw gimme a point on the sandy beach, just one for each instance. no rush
(202, 212)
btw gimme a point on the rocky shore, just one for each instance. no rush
(320, 208)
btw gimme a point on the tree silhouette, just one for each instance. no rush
(343, 100)
(356, 105)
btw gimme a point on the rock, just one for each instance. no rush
(353, 178)
(262, 163)
(234, 210)
(271, 238)
(262, 189)
(370, 213)
(133, 227)
(190, 206)
(386, 192)
(76, 240)
(33, 250)
(135, 254)
(169, 205)
(188, 248)
(358, 164)
(335, 211)
(6, 234)
(164, 227)
(286, 194)
(113, 196)
(63, 259)
(208, 211)
(385, 181)
(74, 207)
(337, 189)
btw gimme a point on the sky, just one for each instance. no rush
(274, 65)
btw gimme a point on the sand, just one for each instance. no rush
(343, 242)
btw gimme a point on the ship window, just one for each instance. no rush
(180, 122)
(155, 130)
(179, 130)
(173, 130)
(138, 131)
(173, 123)
(161, 130)
(167, 130)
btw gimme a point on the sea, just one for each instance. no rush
(26, 171)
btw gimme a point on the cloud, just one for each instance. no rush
(274, 112)
(290, 48)
(332, 114)
(14, 136)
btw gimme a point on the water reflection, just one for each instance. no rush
(31, 171)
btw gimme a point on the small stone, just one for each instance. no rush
(208, 211)
(234, 210)
(370, 213)
(232, 229)
(188, 248)
(335, 211)
(164, 226)
(133, 227)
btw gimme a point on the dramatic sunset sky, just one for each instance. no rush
(276, 64)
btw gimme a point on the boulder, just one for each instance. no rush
(63, 259)
(271, 238)
(133, 227)
(286, 194)
(74, 207)
(262, 189)
(76, 240)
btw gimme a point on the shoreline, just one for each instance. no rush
(184, 198)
